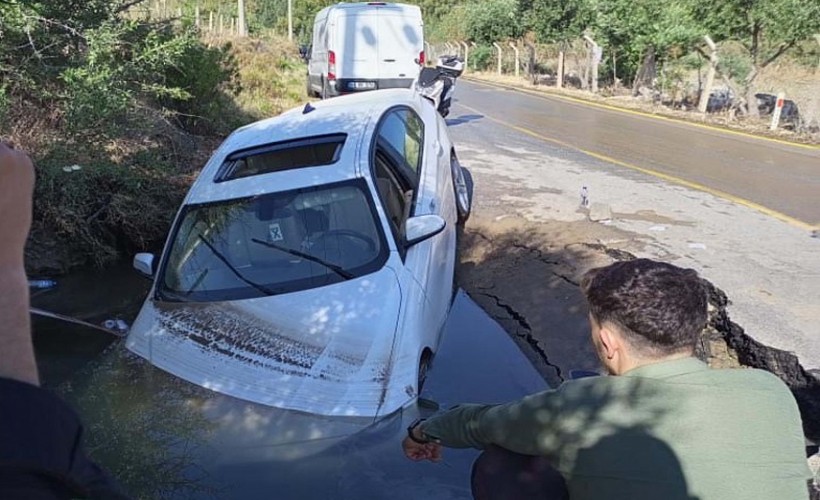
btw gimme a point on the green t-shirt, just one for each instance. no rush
(670, 430)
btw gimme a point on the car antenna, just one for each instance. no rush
(308, 109)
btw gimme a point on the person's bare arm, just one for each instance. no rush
(16, 188)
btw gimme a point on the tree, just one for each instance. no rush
(645, 32)
(560, 20)
(489, 21)
(767, 29)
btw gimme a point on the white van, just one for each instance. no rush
(365, 46)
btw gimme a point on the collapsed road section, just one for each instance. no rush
(527, 276)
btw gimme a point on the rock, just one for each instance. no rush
(600, 212)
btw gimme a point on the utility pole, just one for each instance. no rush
(242, 26)
(290, 20)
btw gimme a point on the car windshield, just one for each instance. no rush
(273, 243)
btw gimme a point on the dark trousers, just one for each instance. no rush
(499, 474)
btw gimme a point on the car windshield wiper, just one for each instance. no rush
(261, 288)
(296, 253)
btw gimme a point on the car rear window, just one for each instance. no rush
(300, 153)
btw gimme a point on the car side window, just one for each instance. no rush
(401, 134)
(395, 193)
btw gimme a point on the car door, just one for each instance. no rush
(397, 164)
(413, 157)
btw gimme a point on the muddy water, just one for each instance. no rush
(92, 296)
(164, 438)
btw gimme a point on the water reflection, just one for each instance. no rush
(165, 438)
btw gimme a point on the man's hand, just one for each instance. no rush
(16, 188)
(418, 451)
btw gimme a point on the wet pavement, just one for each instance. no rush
(769, 269)
(165, 438)
(782, 177)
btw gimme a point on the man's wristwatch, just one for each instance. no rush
(412, 437)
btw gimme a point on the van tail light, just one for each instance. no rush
(331, 65)
(421, 58)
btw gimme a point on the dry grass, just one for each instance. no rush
(271, 74)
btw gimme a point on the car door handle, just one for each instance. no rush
(389, 60)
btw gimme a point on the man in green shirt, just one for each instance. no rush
(663, 425)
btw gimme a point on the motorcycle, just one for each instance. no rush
(438, 84)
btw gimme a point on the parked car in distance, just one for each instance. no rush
(311, 265)
(767, 102)
(365, 46)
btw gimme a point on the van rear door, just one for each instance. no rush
(400, 42)
(357, 48)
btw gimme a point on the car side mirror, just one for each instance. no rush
(144, 264)
(422, 227)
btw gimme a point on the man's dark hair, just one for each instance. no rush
(660, 308)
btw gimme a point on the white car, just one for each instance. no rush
(311, 264)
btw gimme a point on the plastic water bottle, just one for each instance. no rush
(42, 283)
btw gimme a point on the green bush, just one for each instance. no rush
(127, 64)
(489, 21)
(482, 57)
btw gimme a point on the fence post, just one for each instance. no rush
(559, 80)
(595, 59)
(472, 44)
(517, 59)
(466, 54)
(817, 37)
(778, 108)
(499, 56)
(197, 20)
(428, 54)
(710, 75)
(211, 21)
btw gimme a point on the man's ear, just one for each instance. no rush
(610, 341)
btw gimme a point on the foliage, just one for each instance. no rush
(635, 26)
(766, 28)
(482, 57)
(489, 21)
(560, 20)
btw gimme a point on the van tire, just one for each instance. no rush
(309, 89)
(325, 93)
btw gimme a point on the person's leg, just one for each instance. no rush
(499, 474)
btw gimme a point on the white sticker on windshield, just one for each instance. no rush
(275, 232)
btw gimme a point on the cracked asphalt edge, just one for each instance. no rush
(748, 352)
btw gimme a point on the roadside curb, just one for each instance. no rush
(547, 93)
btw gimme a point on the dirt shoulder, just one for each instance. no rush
(725, 121)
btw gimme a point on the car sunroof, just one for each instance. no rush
(288, 155)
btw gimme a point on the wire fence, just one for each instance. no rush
(674, 83)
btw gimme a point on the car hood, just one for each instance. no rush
(327, 351)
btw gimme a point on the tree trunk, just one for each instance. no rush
(751, 100)
(646, 74)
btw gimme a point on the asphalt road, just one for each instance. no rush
(776, 178)
(768, 266)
